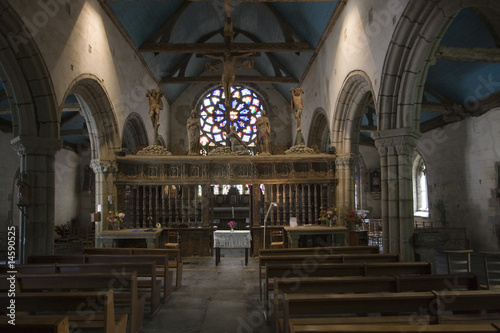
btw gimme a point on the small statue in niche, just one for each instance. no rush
(263, 134)
(297, 105)
(193, 132)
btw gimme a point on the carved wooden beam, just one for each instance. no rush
(220, 47)
(468, 54)
(239, 78)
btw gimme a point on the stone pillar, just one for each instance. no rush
(396, 149)
(207, 206)
(344, 164)
(105, 191)
(36, 222)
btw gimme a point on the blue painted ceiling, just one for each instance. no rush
(459, 87)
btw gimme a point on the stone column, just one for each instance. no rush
(207, 206)
(396, 149)
(36, 222)
(105, 191)
(344, 164)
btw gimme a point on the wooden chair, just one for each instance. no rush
(492, 269)
(173, 240)
(277, 239)
(458, 261)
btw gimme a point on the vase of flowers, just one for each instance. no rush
(231, 225)
(115, 219)
(328, 216)
(354, 220)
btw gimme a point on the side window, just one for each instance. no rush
(420, 195)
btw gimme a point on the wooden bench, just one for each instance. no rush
(35, 324)
(393, 328)
(322, 250)
(144, 269)
(160, 260)
(124, 286)
(56, 258)
(273, 271)
(368, 284)
(312, 259)
(85, 310)
(437, 306)
(174, 255)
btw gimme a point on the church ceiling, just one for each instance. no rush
(176, 37)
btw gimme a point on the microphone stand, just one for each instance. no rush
(273, 204)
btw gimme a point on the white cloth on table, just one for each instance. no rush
(236, 239)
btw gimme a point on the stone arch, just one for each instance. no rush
(410, 53)
(319, 133)
(35, 127)
(134, 133)
(354, 96)
(26, 79)
(98, 112)
(356, 92)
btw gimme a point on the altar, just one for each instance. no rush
(227, 239)
(110, 238)
(337, 234)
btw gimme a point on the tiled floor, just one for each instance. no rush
(214, 299)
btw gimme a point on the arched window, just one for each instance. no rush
(246, 108)
(420, 195)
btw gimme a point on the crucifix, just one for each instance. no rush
(228, 60)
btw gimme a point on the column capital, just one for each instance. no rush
(345, 159)
(103, 166)
(31, 145)
(400, 141)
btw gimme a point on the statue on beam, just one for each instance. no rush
(155, 106)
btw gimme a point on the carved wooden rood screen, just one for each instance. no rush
(178, 191)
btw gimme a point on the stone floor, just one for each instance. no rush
(223, 298)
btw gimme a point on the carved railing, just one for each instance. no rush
(177, 189)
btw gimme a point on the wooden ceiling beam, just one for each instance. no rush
(220, 47)
(239, 78)
(468, 54)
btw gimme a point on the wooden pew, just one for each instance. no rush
(393, 328)
(438, 307)
(368, 284)
(312, 259)
(159, 260)
(85, 310)
(174, 256)
(322, 250)
(31, 268)
(143, 269)
(35, 324)
(273, 271)
(124, 286)
(56, 258)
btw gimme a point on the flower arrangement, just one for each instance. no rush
(231, 224)
(63, 230)
(115, 218)
(328, 215)
(354, 219)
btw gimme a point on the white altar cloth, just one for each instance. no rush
(237, 239)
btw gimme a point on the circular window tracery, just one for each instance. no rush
(246, 107)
